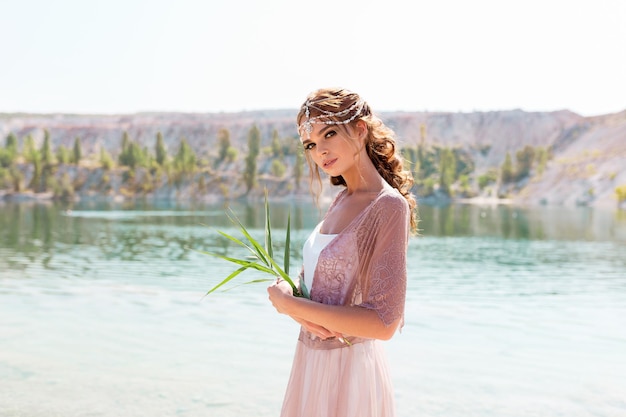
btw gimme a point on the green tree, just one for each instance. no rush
(428, 187)
(35, 181)
(447, 170)
(18, 179)
(426, 161)
(63, 155)
(464, 162)
(46, 149)
(276, 146)
(541, 156)
(506, 170)
(31, 155)
(132, 154)
(298, 167)
(223, 142)
(8, 154)
(145, 158)
(5, 159)
(409, 155)
(125, 154)
(29, 151)
(105, 159)
(76, 151)
(254, 147)
(44, 165)
(185, 159)
(11, 146)
(160, 151)
(525, 158)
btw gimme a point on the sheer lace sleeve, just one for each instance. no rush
(386, 235)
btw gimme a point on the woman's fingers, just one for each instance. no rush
(318, 330)
(279, 292)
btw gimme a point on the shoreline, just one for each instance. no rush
(216, 198)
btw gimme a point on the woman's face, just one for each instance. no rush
(334, 148)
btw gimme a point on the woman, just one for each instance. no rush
(354, 263)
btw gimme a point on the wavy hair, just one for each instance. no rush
(345, 108)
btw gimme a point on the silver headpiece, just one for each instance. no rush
(327, 117)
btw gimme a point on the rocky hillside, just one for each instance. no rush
(588, 159)
(589, 163)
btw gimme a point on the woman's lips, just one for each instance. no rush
(329, 163)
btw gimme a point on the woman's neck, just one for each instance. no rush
(364, 178)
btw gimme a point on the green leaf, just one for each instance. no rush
(227, 279)
(304, 289)
(283, 275)
(287, 243)
(254, 281)
(268, 229)
(263, 255)
(242, 262)
(258, 249)
(240, 243)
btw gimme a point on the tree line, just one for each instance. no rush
(154, 163)
(437, 169)
(450, 171)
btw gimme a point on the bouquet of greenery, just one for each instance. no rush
(262, 258)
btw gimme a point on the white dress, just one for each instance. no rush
(311, 252)
(330, 378)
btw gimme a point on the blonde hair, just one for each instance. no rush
(345, 108)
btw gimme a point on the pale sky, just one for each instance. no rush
(125, 56)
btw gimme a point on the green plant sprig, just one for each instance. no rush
(262, 255)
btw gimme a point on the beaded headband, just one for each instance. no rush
(309, 121)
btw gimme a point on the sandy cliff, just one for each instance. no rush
(588, 153)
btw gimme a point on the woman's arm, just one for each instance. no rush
(337, 320)
(316, 329)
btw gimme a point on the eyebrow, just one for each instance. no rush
(320, 133)
(324, 129)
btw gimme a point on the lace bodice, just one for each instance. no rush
(365, 264)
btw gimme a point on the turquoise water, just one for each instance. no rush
(510, 312)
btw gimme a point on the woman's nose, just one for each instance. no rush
(322, 150)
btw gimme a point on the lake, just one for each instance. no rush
(510, 312)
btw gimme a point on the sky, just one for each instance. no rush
(127, 56)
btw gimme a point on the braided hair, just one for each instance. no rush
(344, 108)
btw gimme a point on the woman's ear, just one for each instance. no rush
(361, 130)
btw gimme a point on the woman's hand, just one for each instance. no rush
(281, 294)
(317, 330)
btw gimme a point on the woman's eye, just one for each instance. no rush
(309, 146)
(330, 134)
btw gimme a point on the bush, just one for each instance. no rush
(105, 159)
(620, 192)
(428, 187)
(232, 154)
(63, 190)
(487, 178)
(278, 168)
(6, 159)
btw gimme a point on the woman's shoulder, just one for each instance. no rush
(391, 198)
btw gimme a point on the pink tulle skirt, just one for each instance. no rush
(333, 379)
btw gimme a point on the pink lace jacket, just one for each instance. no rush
(365, 264)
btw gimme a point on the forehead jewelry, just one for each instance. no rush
(326, 117)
